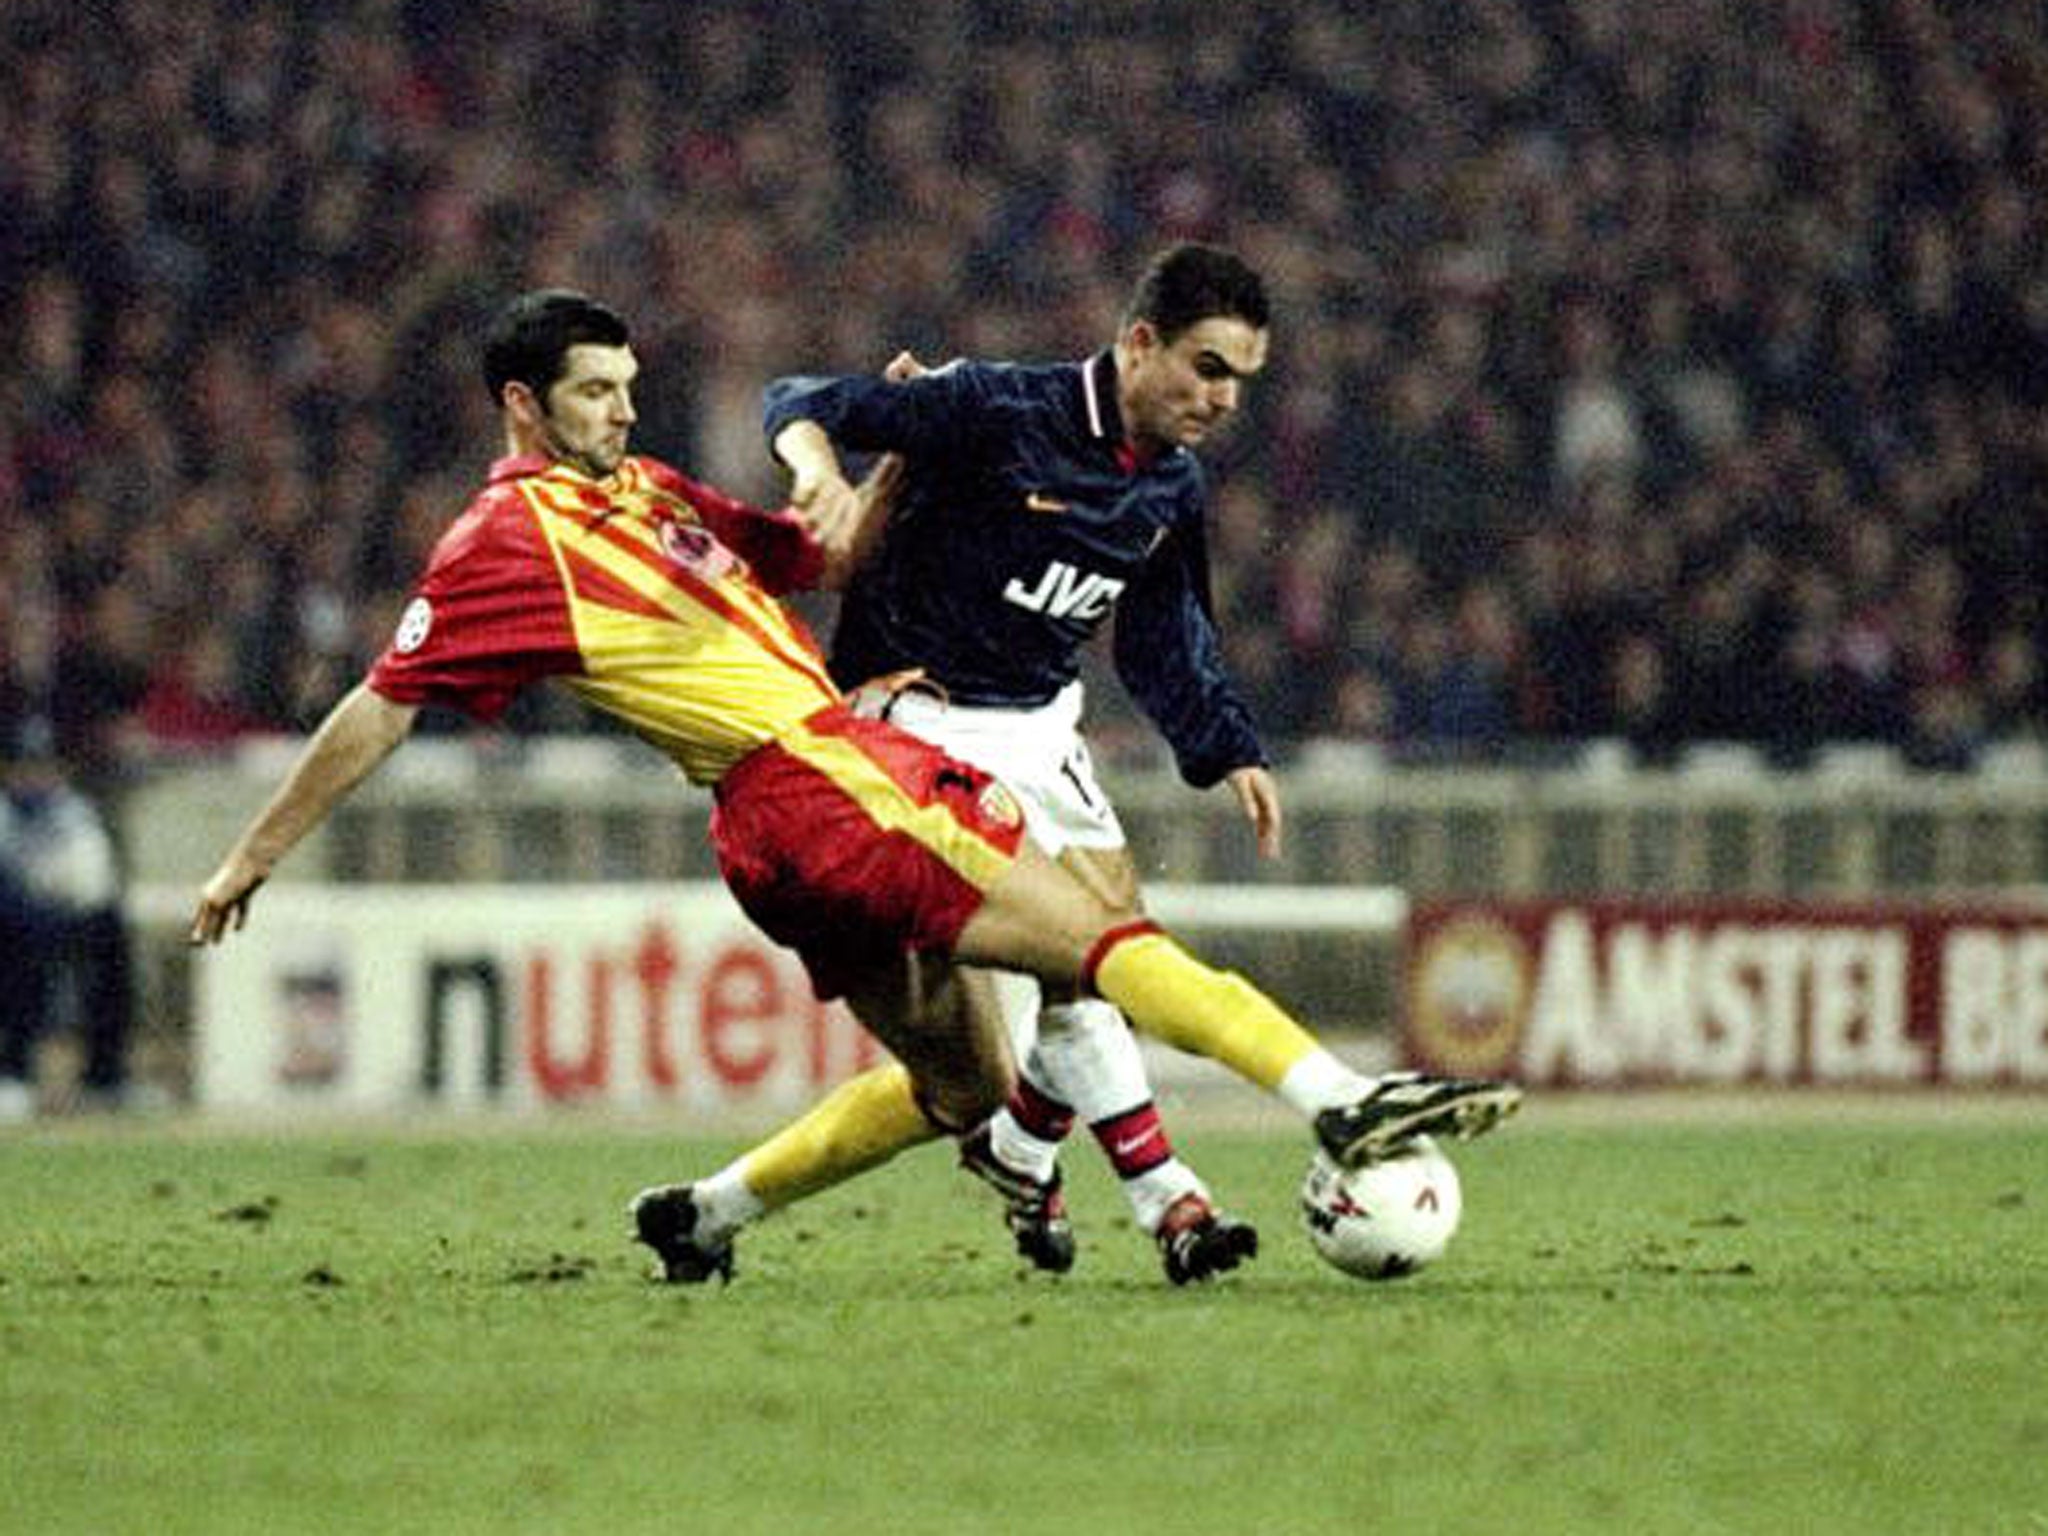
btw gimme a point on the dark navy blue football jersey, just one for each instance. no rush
(1020, 527)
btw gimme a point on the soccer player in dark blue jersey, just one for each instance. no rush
(1035, 502)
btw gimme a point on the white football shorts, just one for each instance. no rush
(1038, 753)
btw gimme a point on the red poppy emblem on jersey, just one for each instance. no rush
(694, 549)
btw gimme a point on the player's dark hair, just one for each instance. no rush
(1189, 283)
(529, 341)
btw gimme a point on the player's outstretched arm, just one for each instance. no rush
(357, 735)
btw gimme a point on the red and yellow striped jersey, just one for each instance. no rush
(650, 595)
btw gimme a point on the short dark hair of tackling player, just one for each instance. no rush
(530, 338)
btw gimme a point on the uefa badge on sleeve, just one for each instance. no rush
(413, 626)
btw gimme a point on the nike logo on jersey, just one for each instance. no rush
(1063, 592)
(1038, 501)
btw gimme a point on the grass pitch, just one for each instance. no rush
(1773, 1325)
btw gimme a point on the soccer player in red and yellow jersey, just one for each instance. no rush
(876, 856)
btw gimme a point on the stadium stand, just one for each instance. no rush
(1664, 375)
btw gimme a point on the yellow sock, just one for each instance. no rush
(1170, 995)
(859, 1125)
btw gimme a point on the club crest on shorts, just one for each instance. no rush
(998, 805)
(414, 625)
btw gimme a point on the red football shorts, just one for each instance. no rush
(850, 841)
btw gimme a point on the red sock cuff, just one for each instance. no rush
(1111, 937)
(1135, 1141)
(1038, 1113)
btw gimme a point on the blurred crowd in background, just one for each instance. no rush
(1668, 373)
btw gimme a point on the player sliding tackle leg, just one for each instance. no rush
(1037, 917)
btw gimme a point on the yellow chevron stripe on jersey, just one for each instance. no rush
(884, 800)
(705, 669)
(706, 710)
(647, 569)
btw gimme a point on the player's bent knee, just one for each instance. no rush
(956, 1108)
(1041, 919)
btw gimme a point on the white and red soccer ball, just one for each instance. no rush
(1386, 1219)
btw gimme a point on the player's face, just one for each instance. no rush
(589, 409)
(1174, 394)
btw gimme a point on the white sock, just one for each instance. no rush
(1087, 1055)
(724, 1203)
(1017, 1148)
(1319, 1081)
(1017, 999)
(1153, 1192)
